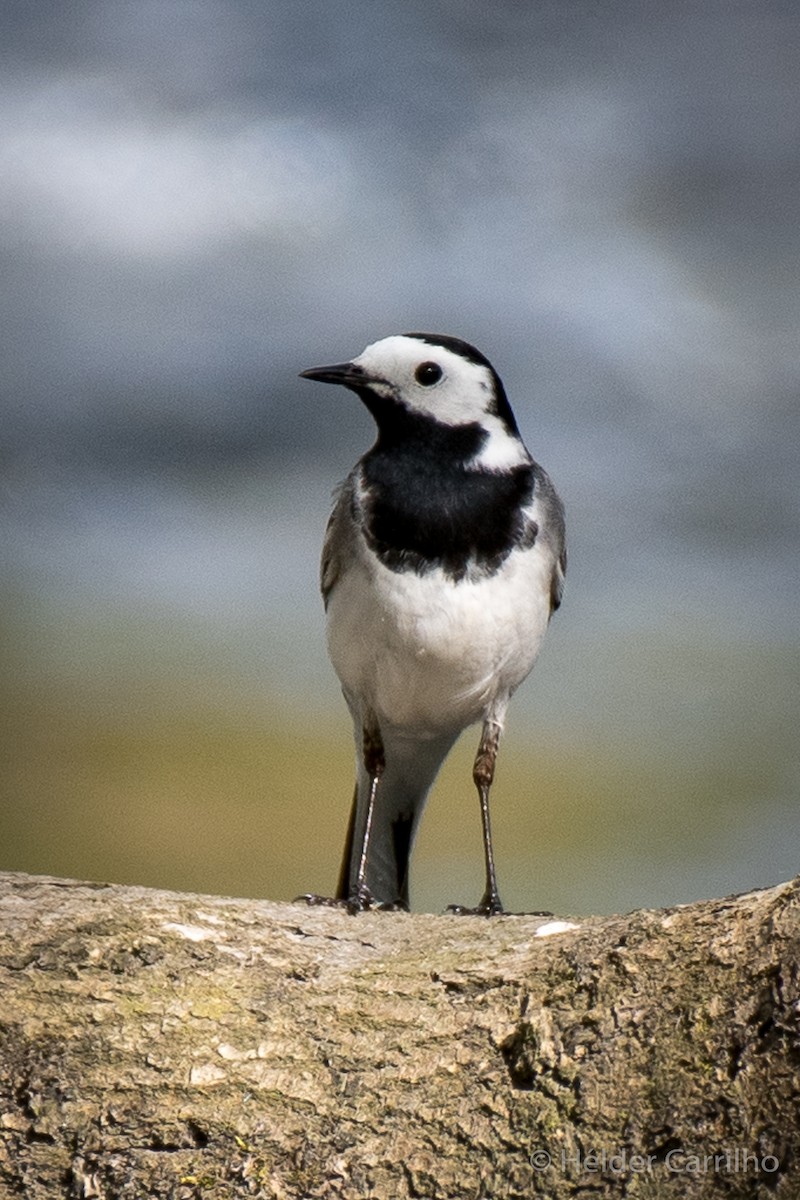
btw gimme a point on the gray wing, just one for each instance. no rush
(338, 542)
(553, 529)
(557, 580)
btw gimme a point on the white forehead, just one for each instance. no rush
(464, 394)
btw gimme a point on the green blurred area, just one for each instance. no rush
(132, 755)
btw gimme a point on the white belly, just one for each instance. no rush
(428, 655)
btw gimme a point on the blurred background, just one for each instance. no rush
(202, 197)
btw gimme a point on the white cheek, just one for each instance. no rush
(455, 401)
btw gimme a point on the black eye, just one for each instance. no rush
(428, 373)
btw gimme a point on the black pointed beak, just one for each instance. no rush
(347, 374)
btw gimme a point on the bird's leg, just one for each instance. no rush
(360, 897)
(483, 774)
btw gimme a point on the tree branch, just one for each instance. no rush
(164, 1045)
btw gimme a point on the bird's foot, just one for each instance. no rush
(315, 901)
(360, 900)
(481, 910)
(490, 906)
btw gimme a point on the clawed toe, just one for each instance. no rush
(315, 901)
(490, 906)
(355, 903)
(358, 901)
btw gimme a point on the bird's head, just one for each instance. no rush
(432, 376)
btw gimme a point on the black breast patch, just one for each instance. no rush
(424, 508)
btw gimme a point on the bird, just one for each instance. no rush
(443, 561)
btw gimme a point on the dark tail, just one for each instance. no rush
(343, 886)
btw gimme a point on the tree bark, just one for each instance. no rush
(162, 1045)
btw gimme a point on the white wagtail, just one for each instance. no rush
(443, 561)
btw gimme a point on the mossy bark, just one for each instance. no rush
(163, 1045)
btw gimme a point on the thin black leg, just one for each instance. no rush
(483, 774)
(360, 897)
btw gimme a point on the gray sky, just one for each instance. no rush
(200, 198)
